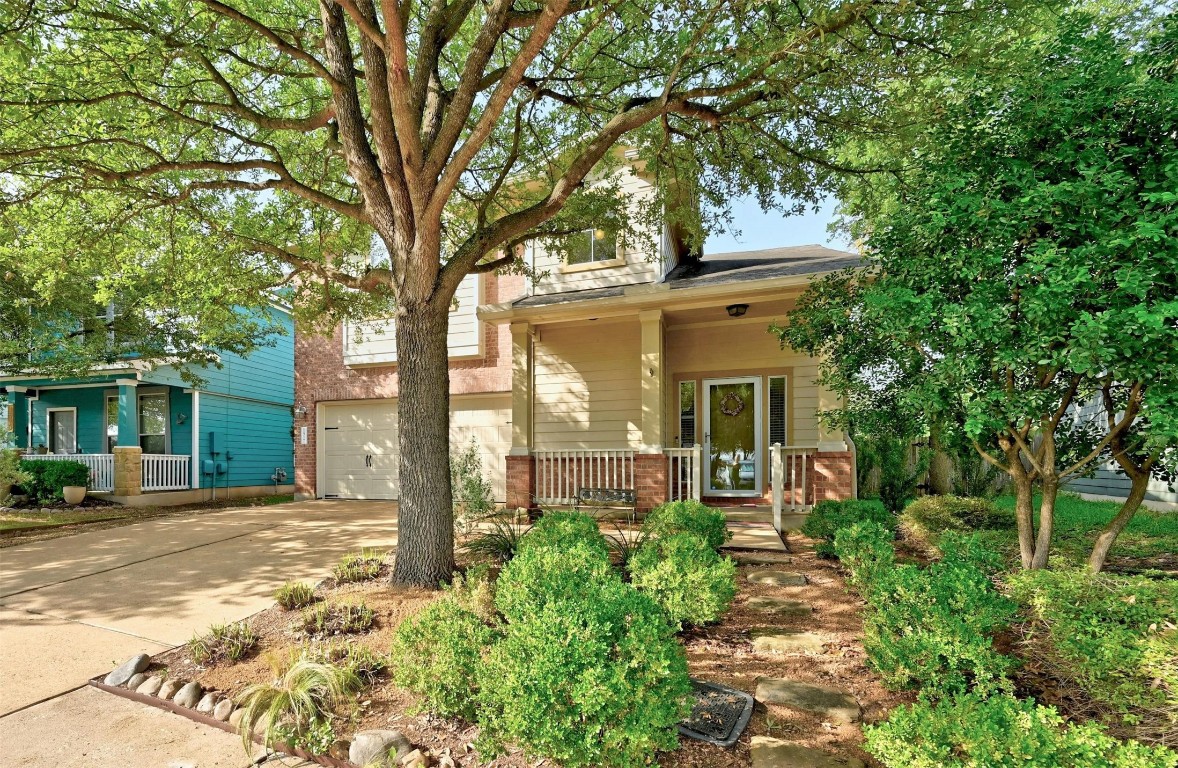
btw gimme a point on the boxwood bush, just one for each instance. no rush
(595, 678)
(970, 731)
(541, 575)
(1112, 635)
(437, 654)
(866, 552)
(564, 529)
(930, 628)
(47, 478)
(828, 517)
(688, 516)
(686, 577)
(929, 516)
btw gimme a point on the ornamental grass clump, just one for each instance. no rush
(688, 516)
(327, 619)
(973, 731)
(358, 566)
(687, 578)
(497, 543)
(294, 594)
(591, 676)
(827, 517)
(224, 642)
(295, 708)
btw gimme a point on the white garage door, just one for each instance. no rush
(360, 444)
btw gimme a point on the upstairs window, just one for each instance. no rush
(592, 245)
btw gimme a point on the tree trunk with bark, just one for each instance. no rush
(1105, 539)
(425, 546)
(1050, 490)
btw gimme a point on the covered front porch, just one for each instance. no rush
(136, 436)
(670, 394)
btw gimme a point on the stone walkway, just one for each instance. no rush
(834, 705)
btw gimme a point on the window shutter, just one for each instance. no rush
(686, 414)
(777, 431)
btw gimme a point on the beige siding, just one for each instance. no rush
(744, 350)
(587, 390)
(374, 342)
(642, 259)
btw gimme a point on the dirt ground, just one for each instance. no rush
(719, 653)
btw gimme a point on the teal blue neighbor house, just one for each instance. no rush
(150, 438)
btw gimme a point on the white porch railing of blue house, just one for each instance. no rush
(790, 466)
(166, 472)
(101, 466)
(560, 474)
(684, 473)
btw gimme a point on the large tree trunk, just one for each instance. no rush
(425, 537)
(1024, 516)
(1104, 541)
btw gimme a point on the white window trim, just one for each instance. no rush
(144, 391)
(107, 396)
(49, 427)
(619, 259)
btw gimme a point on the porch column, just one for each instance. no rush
(652, 376)
(830, 440)
(521, 470)
(18, 403)
(128, 461)
(834, 463)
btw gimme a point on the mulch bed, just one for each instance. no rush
(719, 653)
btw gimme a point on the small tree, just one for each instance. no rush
(1027, 264)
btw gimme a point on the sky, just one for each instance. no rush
(772, 230)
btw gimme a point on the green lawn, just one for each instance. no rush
(1149, 534)
(25, 520)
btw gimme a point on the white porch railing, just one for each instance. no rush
(165, 472)
(790, 469)
(684, 468)
(560, 474)
(101, 465)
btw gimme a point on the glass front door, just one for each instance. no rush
(732, 436)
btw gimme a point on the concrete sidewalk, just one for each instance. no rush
(73, 607)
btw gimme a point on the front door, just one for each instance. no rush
(63, 431)
(732, 436)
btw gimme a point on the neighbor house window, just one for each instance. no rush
(686, 414)
(777, 404)
(112, 422)
(592, 245)
(153, 423)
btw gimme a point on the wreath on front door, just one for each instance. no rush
(731, 404)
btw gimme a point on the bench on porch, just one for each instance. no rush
(625, 499)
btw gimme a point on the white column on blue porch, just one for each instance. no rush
(128, 412)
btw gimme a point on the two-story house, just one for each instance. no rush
(150, 437)
(652, 372)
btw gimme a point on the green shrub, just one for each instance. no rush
(358, 566)
(224, 642)
(865, 550)
(597, 679)
(969, 731)
(540, 575)
(473, 494)
(930, 516)
(497, 544)
(688, 517)
(10, 470)
(828, 516)
(686, 577)
(47, 478)
(437, 655)
(1113, 635)
(561, 529)
(930, 628)
(327, 619)
(294, 594)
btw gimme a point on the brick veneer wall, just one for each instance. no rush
(650, 480)
(321, 376)
(521, 480)
(834, 474)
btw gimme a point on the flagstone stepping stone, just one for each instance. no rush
(151, 686)
(780, 606)
(777, 640)
(775, 753)
(777, 578)
(834, 704)
(129, 669)
(761, 558)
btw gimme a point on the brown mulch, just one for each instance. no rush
(719, 653)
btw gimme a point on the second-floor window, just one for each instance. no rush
(592, 245)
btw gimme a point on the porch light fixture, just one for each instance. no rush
(300, 411)
(181, 418)
(737, 310)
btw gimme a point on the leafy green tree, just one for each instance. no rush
(1025, 264)
(294, 134)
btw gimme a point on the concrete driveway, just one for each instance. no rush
(73, 607)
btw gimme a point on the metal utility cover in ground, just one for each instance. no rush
(720, 714)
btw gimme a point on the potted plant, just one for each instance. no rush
(73, 494)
